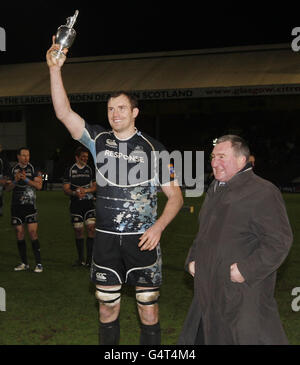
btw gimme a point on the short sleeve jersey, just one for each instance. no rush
(24, 194)
(128, 174)
(77, 177)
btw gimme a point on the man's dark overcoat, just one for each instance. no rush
(244, 222)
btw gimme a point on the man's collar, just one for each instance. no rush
(247, 167)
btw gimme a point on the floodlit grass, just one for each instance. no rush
(58, 306)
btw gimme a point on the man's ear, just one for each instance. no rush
(135, 112)
(242, 161)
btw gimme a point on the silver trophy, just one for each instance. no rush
(65, 35)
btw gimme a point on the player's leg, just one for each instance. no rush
(36, 247)
(148, 310)
(79, 241)
(17, 221)
(109, 310)
(78, 226)
(144, 272)
(90, 222)
(107, 273)
(21, 243)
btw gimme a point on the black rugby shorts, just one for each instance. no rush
(21, 214)
(82, 210)
(117, 259)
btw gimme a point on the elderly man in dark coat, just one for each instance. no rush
(244, 236)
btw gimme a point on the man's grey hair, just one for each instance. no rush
(238, 144)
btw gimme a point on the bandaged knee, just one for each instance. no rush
(147, 296)
(109, 296)
(78, 225)
(90, 221)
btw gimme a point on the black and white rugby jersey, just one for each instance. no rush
(23, 193)
(77, 177)
(128, 174)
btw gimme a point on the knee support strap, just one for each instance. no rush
(109, 296)
(90, 221)
(78, 225)
(147, 296)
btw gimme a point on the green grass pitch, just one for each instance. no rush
(58, 306)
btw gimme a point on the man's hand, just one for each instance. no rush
(23, 175)
(150, 239)
(50, 57)
(80, 192)
(192, 268)
(18, 176)
(235, 275)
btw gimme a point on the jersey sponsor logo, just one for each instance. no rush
(129, 158)
(77, 175)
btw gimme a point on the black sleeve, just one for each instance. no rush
(94, 129)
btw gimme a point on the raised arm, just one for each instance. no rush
(73, 122)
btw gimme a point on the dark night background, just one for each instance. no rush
(138, 26)
(143, 26)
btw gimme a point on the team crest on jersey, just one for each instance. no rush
(111, 143)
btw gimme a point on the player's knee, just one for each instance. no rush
(20, 233)
(108, 297)
(33, 235)
(90, 227)
(79, 230)
(146, 297)
(78, 226)
(90, 223)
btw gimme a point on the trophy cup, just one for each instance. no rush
(65, 35)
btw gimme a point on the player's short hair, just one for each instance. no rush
(131, 97)
(79, 150)
(239, 145)
(22, 148)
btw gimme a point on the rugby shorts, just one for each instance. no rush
(117, 259)
(23, 214)
(82, 210)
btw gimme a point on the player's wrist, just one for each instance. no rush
(160, 226)
(54, 68)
